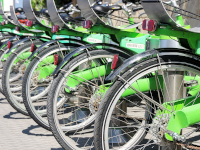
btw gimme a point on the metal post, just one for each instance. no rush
(173, 89)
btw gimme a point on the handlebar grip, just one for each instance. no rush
(137, 8)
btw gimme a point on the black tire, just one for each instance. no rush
(4, 38)
(2, 52)
(52, 93)
(119, 84)
(5, 77)
(27, 75)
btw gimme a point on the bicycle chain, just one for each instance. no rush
(188, 146)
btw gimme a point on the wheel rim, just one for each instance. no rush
(37, 99)
(70, 130)
(137, 140)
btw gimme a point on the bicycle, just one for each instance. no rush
(155, 94)
(37, 73)
(80, 81)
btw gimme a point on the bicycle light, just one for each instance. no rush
(29, 23)
(3, 23)
(57, 59)
(17, 28)
(114, 62)
(87, 24)
(33, 47)
(55, 28)
(9, 44)
(144, 24)
(150, 25)
(117, 61)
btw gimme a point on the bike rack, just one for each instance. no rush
(29, 11)
(4, 16)
(16, 21)
(156, 11)
(30, 14)
(88, 13)
(55, 16)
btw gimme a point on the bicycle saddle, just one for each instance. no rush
(103, 9)
(44, 11)
(19, 9)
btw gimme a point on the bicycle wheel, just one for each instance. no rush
(3, 59)
(13, 72)
(75, 95)
(135, 111)
(37, 81)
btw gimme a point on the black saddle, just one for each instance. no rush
(104, 10)
(19, 9)
(44, 11)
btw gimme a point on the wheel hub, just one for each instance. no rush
(94, 102)
(159, 127)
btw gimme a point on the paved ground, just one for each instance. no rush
(19, 132)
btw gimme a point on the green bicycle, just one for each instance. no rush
(80, 83)
(154, 100)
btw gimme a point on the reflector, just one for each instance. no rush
(152, 25)
(56, 59)
(144, 24)
(87, 24)
(114, 62)
(33, 47)
(17, 28)
(3, 23)
(55, 29)
(29, 23)
(9, 44)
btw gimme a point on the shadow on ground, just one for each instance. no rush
(3, 101)
(32, 127)
(10, 116)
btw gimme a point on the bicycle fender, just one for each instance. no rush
(21, 42)
(133, 61)
(81, 49)
(6, 42)
(41, 47)
(74, 41)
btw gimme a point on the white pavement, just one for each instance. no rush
(19, 132)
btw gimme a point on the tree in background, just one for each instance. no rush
(39, 4)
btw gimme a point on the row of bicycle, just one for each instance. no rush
(88, 74)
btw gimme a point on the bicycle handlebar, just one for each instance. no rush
(137, 8)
